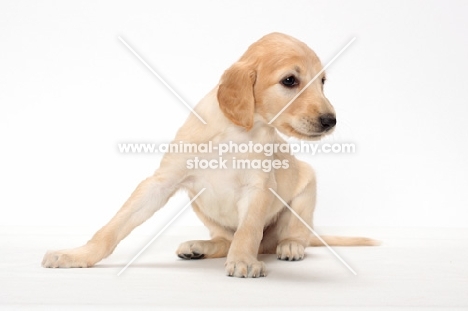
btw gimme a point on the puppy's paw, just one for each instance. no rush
(191, 250)
(74, 258)
(290, 250)
(245, 269)
(203, 249)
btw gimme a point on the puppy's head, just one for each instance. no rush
(267, 78)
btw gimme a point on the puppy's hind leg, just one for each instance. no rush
(149, 196)
(198, 249)
(217, 247)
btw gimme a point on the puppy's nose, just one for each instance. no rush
(328, 121)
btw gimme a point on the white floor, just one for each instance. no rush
(426, 268)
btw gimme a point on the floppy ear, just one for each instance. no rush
(236, 95)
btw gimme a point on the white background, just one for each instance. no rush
(70, 91)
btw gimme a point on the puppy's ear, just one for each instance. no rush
(236, 94)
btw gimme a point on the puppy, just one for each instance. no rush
(237, 204)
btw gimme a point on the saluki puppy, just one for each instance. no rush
(243, 215)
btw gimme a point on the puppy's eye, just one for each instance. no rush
(290, 81)
(323, 80)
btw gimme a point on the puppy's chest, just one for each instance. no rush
(223, 192)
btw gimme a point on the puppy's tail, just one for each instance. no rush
(343, 241)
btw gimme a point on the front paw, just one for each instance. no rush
(290, 250)
(245, 268)
(74, 258)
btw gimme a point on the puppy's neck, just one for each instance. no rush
(219, 128)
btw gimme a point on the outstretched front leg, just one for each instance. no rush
(149, 196)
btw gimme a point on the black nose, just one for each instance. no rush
(328, 121)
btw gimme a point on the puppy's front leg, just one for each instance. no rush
(242, 257)
(150, 195)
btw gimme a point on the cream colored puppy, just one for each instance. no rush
(243, 215)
